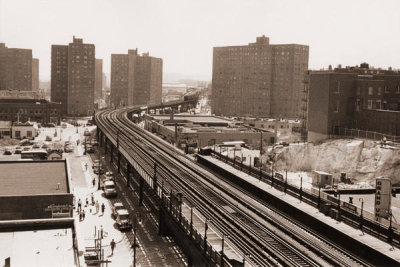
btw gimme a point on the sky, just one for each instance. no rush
(183, 32)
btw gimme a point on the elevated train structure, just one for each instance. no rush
(258, 234)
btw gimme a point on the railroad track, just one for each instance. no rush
(251, 234)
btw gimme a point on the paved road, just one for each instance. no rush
(154, 250)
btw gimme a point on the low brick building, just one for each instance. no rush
(353, 98)
(35, 190)
(24, 110)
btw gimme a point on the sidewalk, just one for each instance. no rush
(83, 188)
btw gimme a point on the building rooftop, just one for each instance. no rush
(5, 124)
(33, 177)
(51, 248)
(193, 119)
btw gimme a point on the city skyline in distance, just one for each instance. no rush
(183, 33)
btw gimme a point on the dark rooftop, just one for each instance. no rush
(33, 177)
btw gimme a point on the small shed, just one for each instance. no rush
(320, 178)
(5, 129)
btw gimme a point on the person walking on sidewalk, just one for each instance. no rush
(101, 231)
(83, 215)
(79, 205)
(103, 207)
(97, 206)
(86, 166)
(112, 245)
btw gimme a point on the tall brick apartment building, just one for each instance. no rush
(98, 82)
(35, 74)
(15, 68)
(135, 79)
(354, 98)
(73, 76)
(259, 80)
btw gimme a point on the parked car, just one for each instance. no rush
(68, 148)
(123, 220)
(94, 142)
(89, 149)
(7, 151)
(25, 142)
(86, 132)
(36, 145)
(44, 146)
(109, 189)
(49, 125)
(27, 148)
(109, 176)
(117, 206)
(98, 170)
(96, 163)
(63, 125)
(18, 150)
(49, 139)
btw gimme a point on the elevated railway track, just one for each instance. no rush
(264, 237)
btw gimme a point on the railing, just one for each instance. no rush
(384, 229)
(356, 133)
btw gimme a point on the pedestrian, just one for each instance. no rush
(79, 205)
(97, 206)
(101, 231)
(83, 215)
(92, 198)
(103, 207)
(93, 182)
(112, 244)
(80, 215)
(86, 166)
(87, 202)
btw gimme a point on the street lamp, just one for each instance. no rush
(361, 215)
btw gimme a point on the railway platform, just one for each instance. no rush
(364, 238)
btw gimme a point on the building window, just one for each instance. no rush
(358, 105)
(379, 90)
(17, 134)
(370, 90)
(338, 88)
(386, 89)
(398, 89)
(358, 90)
(378, 104)
(369, 106)
(29, 133)
(337, 106)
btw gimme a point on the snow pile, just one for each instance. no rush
(361, 160)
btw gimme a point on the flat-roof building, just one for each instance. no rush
(357, 97)
(259, 80)
(73, 77)
(15, 68)
(98, 81)
(135, 79)
(29, 190)
(22, 109)
(35, 74)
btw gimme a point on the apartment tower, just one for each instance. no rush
(73, 77)
(135, 79)
(15, 68)
(98, 81)
(35, 74)
(259, 80)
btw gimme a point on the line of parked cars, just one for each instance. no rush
(26, 145)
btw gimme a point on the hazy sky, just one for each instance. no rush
(183, 32)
